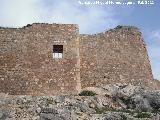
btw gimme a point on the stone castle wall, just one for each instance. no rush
(156, 84)
(28, 67)
(118, 55)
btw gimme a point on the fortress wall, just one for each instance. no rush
(156, 84)
(118, 55)
(28, 67)
(26, 62)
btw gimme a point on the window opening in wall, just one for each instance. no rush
(57, 51)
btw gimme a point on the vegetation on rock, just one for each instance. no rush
(87, 93)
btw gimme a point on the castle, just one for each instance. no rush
(50, 59)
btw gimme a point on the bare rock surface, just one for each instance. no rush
(115, 102)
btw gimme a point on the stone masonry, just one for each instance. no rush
(27, 65)
(118, 55)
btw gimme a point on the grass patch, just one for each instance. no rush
(101, 110)
(143, 115)
(87, 93)
(104, 109)
(124, 111)
(123, 117)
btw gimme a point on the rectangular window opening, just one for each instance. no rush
(57, 51)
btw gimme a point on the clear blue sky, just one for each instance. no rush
(90, 18)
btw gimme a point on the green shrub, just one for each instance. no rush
(28, 25)
(143, 115)
(87, 93)
(101, 110)
(126, 101)
(124, 111)
(123, 117)
(119, 27)
(155, 107)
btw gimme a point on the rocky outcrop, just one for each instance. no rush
(111, 102)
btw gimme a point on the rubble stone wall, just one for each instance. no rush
(27, 65)
(118, 55)
(156, 84)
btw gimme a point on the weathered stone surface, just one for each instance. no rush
(28, 67)
(117, 55)
(140, 105)
(51, 117)
(4, 114)
(157, 84)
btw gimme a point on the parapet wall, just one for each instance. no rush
(118, 55)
